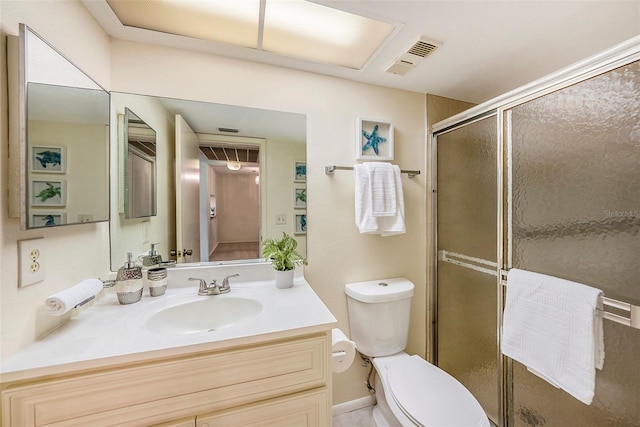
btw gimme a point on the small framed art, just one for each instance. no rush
(47, 159)
(374, 140)
(301, 223)
(299, 198)
(48, 219)
(299, 171)
(49, 192)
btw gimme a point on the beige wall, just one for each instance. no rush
(86, 171)
(337, 253)
(72, 253)
(238, 208)
(136, 235)
(281, 156)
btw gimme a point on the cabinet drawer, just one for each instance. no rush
(146, 393)
(306, 409)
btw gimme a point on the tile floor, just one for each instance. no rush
(359, 418)
(234, 251)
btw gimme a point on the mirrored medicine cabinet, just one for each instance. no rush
(139, 167)
(64, 139)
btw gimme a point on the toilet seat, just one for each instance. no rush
(427, 395)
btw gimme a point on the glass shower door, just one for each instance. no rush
(575, 189)
(466, 292)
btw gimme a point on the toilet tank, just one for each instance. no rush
(379, 313)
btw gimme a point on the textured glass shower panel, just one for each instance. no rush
(467, 190)
(576, 215)
(466, 301)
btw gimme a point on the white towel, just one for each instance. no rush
(382, 184)
(63, 301)
(366, 187)
(554, 327)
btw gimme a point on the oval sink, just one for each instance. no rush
(206, 315)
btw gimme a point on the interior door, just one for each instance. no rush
(187, 192)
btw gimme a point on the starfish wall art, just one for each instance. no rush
(375, 140)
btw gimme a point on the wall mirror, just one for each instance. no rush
(236, 181)
(139, 181)
(64, 123)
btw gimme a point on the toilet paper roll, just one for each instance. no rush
(343, 351)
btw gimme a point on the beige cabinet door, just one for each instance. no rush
(307, 409)
(182, 422)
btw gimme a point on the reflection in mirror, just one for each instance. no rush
(140, 167)
(232, 210)
(66, 128)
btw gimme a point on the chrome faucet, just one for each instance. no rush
(224, 288)
(205, 289)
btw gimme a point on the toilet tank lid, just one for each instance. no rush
(383, 290)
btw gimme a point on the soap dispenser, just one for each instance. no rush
(129, 282)
(152, 258)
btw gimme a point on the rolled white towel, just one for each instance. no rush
(63, 301)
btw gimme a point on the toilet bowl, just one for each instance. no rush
(412, 392)
(409, 390)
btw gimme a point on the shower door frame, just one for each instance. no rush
(617, 56)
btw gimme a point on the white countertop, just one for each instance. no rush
(107, 333)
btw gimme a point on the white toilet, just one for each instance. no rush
(409, 390)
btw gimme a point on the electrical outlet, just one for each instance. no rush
(281, 219)
(31, 260)
(85, 217)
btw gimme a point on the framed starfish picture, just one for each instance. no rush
(374, 140)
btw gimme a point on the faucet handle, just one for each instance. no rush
(225, 283)
(202, 290)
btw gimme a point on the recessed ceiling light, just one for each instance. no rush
(294, 28)
(232, 22)
(318, 33)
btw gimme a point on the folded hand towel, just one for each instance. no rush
(382, 184)
(366, 221)
(553, 326)
(61, 302)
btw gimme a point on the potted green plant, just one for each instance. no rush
(284, 258)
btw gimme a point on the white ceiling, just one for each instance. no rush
(488, 47)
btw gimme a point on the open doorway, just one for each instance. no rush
(230, 229)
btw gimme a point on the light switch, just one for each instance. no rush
(281, 219)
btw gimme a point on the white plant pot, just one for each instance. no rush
(284, 279)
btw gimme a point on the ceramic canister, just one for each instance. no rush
(157, 281)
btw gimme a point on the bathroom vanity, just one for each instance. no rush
(106, 367)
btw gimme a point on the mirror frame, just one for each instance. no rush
(23, 137)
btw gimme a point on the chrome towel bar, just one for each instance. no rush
(630, 310)
(329, 169)
(633, 311)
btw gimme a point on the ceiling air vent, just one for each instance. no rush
(228, 130)
(412, 57)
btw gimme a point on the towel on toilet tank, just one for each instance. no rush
(379, 200)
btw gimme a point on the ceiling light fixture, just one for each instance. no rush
(233, 165)
(294, 28)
